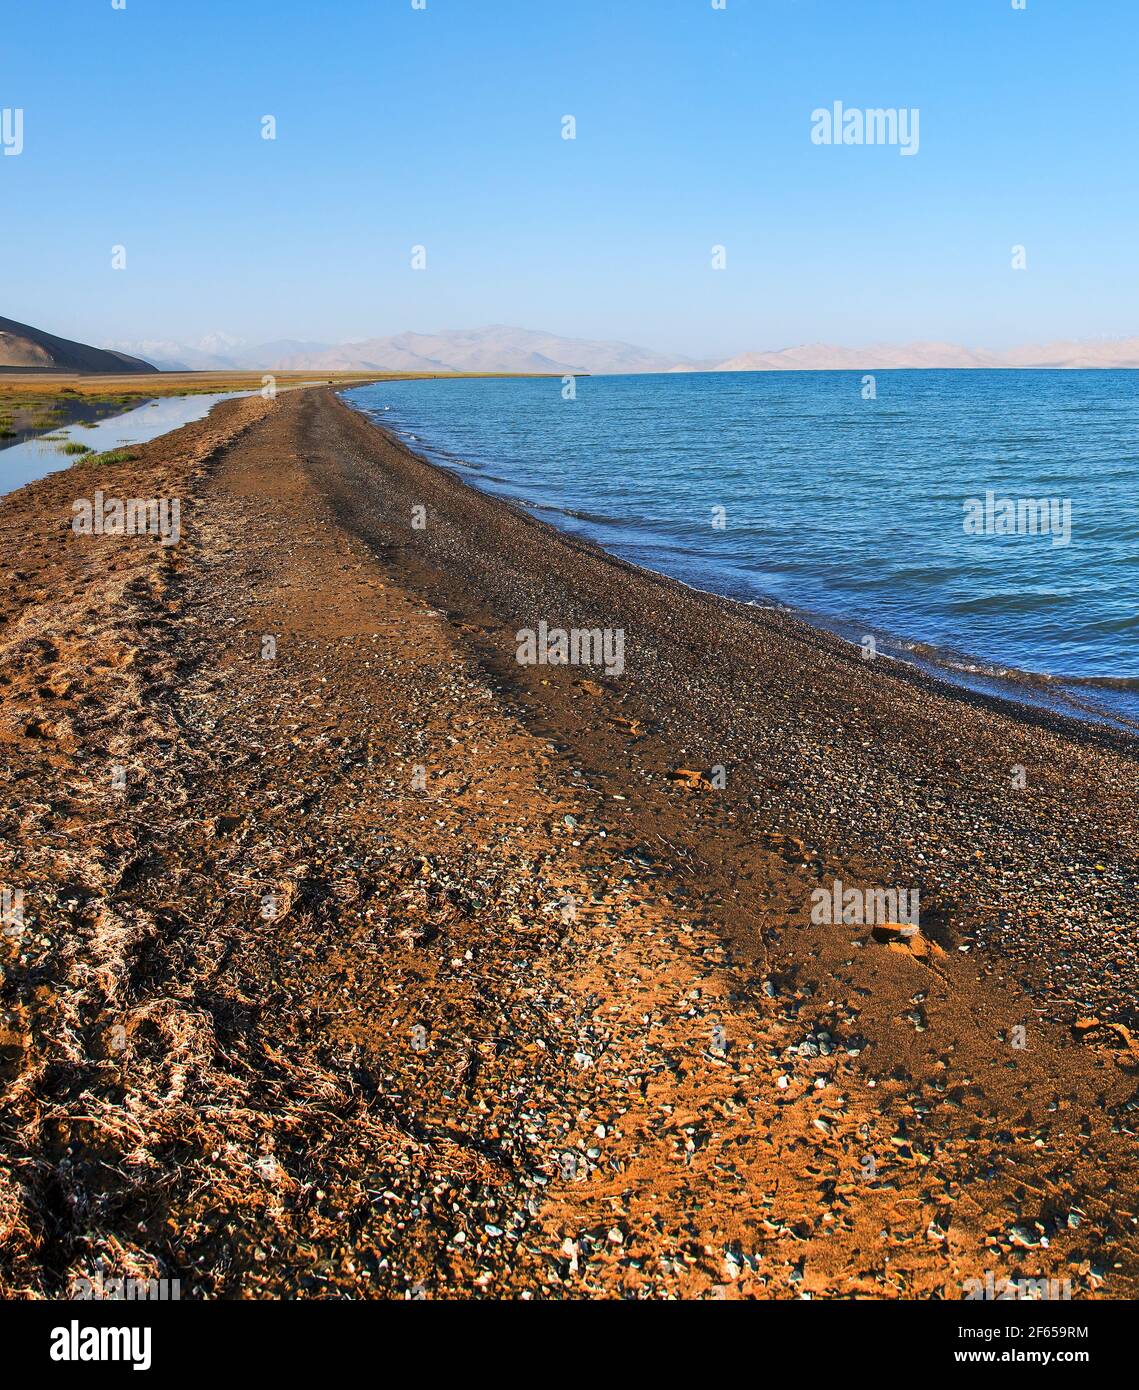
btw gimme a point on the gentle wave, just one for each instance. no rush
(791, 490)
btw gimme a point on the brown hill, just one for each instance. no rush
(28, 349)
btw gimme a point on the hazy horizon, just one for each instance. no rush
(219, 340)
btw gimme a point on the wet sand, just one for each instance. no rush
(400, 968)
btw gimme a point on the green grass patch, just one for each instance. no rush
(113, 456)
(74, 447)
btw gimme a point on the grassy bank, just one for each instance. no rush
(34, 401)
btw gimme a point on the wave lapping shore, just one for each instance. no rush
(357, 957)
(957, 519)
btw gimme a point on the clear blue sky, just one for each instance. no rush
(443, 127)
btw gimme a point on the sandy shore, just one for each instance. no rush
(387, 965)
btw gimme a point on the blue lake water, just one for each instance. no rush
(847, 509)
(25, 461)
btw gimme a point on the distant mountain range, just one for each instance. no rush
(1121, 352)
(518, 350)
(503, 349)
(494, 349)
(25, 348)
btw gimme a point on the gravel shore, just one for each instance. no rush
(387, 965)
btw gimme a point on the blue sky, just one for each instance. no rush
(442, 127)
